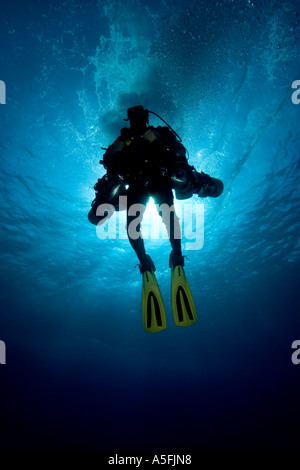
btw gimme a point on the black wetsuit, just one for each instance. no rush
(146, 167)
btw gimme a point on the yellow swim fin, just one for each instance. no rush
(153, 309)
(182, 301)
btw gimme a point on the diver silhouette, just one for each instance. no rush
(143, 162)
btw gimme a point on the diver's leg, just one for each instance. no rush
(171, 222)
(165, 200)
(135, 213)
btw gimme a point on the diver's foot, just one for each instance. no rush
(146, 264)
(176, 259)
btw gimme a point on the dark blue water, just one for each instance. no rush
(80, 370)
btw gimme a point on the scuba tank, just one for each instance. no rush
(108, 190)
(187, 182)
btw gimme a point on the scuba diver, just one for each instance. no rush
(143, 162)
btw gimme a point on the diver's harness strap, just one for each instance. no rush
(188, 181)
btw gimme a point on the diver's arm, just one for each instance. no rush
(151, 135)
(114, 157)
(117, 146)
(160, 136)
(177, 150)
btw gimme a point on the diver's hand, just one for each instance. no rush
(151, 135)
(118, 146)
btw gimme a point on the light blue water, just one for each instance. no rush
(81, 372)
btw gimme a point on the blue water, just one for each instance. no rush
(80, 371)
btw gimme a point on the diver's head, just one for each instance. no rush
(138, 118)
